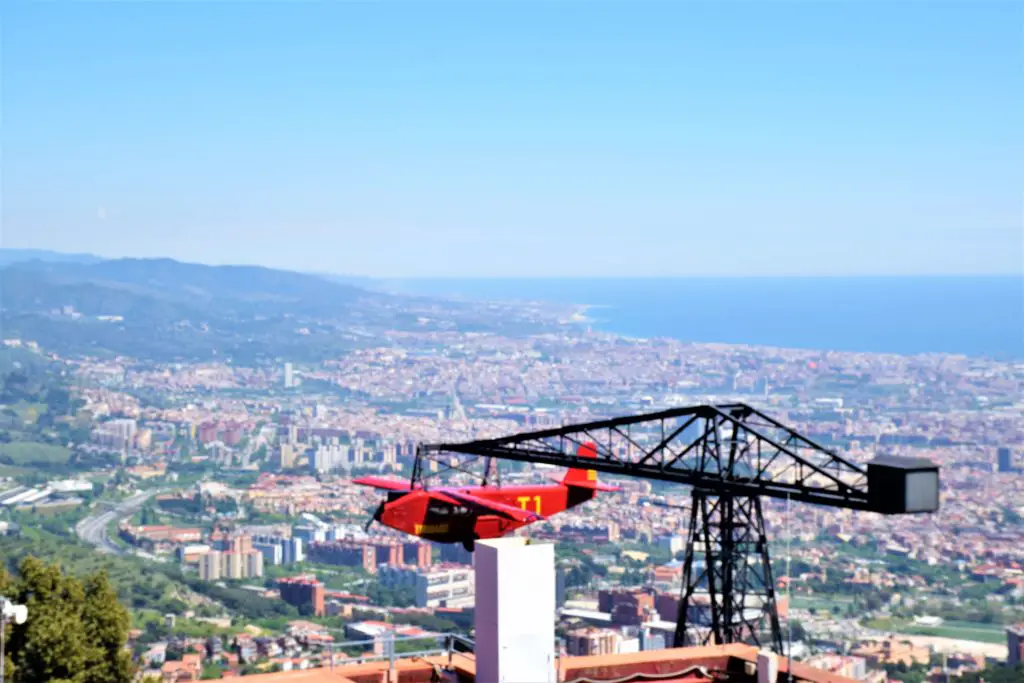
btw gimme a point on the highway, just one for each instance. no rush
(93, 529)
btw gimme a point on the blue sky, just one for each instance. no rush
(520, 138)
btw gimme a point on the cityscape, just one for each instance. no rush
(234, 484)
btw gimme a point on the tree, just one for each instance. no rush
(107, 623)
(76, 630)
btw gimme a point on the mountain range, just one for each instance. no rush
(9, 256)
(164, 309)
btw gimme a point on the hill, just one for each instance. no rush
(165, 309)
(9, 256)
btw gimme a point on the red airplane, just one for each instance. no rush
(465, 514)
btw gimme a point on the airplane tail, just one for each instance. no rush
(586, 479)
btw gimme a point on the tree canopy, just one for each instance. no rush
(76, 630)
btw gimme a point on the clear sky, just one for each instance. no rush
(520, 137)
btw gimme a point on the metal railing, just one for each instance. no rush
(445, 644)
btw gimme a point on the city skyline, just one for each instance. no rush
(520, 140)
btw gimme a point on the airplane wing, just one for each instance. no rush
(493, 507)
(382, 483)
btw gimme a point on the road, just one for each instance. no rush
(93, 529)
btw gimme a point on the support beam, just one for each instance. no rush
(728, 593)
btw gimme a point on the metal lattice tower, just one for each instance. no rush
(731, 455)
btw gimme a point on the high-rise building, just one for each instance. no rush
(209, 566)
(294, 551)
(287, 455)
(233, 565)
(288, 376)
(331, 457)
(1004, 456)
(218, 564)
(310, 534)
(253, 564)
(272, 549)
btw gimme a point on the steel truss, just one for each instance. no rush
(732, 455)
(730, 448)
(734, 579)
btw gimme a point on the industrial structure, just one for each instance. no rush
(731, 455)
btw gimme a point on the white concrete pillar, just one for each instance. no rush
(515, 611)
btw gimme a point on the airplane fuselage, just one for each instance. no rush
(421, 514)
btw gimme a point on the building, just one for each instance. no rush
(279, 550)
(207, 433)
(514, 642)
(331, 457)
(303, 590)
(310, 534)
(455, 553)
(592, 641)
(117, 435)
(209, 566)
(626, 607)
(345, 554)
(451, 586)
(289, 379)
(691, 665)
(217, 564)
(673, 543)
(1004, 458)
(851, 667)
(294, 551)
(1015, 645)
(273, 552)
(287, 455)
(191, 553)
(878, 653)
(653, 639)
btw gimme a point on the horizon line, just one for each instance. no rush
(679, 276)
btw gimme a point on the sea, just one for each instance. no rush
(975, 316)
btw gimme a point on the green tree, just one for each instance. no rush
(107, 623)
(76, 630)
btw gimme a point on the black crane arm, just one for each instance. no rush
(730, 449)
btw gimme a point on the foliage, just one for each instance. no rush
(243, 602)
(36, 413)
(137, 585)
(212, 672)
(76, 631)
(32, 453)
(403, 596)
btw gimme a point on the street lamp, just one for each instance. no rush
(9, 612)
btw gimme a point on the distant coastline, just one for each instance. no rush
(974, 316)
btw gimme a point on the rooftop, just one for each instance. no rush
(689, 665)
